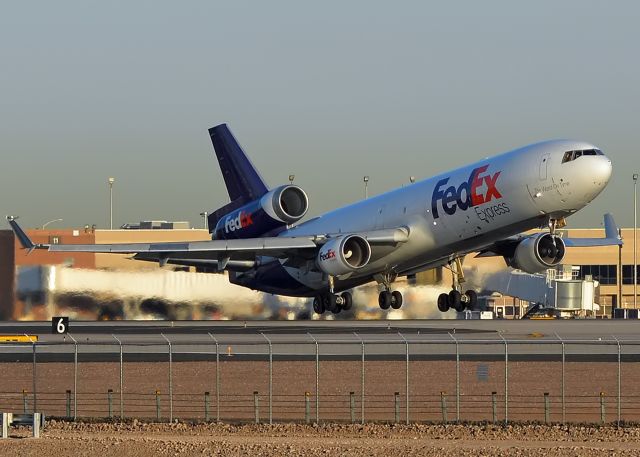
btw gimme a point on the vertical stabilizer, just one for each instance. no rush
(240, 176)
(244, 183)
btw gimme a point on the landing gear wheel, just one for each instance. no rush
(347, 301)
(443, 302)
(396, 299)
(334, 306)
(455, 300)
(384, 299)
(472, 297)
(318, 306)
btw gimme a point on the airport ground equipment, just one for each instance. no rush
(35, 420)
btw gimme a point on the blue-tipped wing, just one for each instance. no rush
(611, 236)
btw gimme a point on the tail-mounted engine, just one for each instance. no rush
(343, 255)
(279, 207)
(537, 253)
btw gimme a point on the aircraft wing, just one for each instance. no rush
(507, 246)
(220, 254)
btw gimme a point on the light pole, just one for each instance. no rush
(50, 222)
(366, 187)
(291, 178)
(111, 181)
(205, 215)
(635, 241)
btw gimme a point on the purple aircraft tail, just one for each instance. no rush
(243, 181)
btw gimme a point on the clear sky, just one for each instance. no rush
(330, 91)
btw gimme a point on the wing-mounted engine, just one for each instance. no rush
(343, 255)
(276, 209)
(537, 253)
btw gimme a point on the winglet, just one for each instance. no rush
(611, 238)
(25, 241)
(611, 230)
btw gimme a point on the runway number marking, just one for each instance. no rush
(60, 325)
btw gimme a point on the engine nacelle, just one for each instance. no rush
(279, 207)
(538, 252)
(343, 255)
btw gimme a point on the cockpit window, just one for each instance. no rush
(573, 155)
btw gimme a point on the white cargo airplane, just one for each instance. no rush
(483, 207)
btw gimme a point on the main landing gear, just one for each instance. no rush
(388, 299)
(333, 303)
(456, 299)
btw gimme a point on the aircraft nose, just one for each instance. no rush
(601, 171)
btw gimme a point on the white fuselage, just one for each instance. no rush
(464, 210)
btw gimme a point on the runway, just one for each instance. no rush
(590, 340)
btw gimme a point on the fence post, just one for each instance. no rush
(170, 378)
(443, 406)
(457, 378)
(206, 406)
(397, 406)
(217, 382)
(406, 375)
(68, 403)
(36, 425)
(157, 405)
(217, 377)
(546, 407)
(110, 402)
(255, 406)
(75, 377)
(270, 378)
(352, 406)
(121, 378)
(562, 381)
(307, 408)
(34, 377)
(506, 380)
(317, 377)
(602, 416)
(494, 406)
(362, 387)
(24, 401)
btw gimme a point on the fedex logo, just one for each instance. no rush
(330, 254)
(478, 189)
(242, 220)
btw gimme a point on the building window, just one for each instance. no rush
(604, 274)
(627, 274)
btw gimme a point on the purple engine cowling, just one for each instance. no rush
(276, 209)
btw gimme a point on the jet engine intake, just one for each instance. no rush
(275, 210)
(288, 203)
(343, 255)
(537, 253)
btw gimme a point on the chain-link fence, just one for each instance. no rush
(318, 377)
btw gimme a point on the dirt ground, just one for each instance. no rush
(141, 440)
